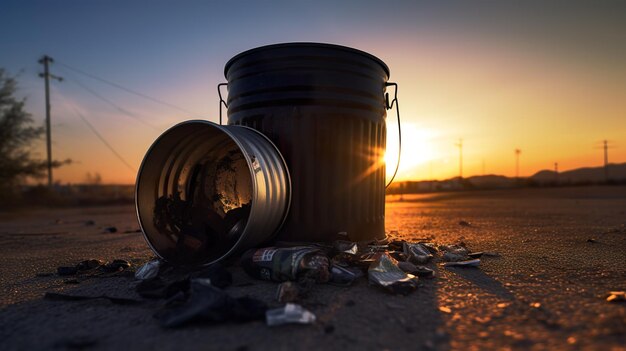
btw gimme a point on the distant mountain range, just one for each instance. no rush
(580, 176)
(587, 174)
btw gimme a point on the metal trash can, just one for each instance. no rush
(206, 191)
(324, 107)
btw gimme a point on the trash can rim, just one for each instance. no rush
(303, 45)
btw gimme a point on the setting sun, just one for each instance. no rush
(417, 149)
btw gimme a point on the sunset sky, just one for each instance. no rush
(548, 78)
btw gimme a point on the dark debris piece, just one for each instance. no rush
(89, 264)
(207, 303)
(116, 266)
(110, 230)
(465, 223)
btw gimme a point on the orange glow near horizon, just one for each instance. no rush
(497, 90)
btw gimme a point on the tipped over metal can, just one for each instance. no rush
(205, 191)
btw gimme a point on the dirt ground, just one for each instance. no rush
(547, 290)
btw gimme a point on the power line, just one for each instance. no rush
(128, 90)
(95, 131)
(117, 107)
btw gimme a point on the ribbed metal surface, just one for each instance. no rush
(323, 106)
(201, 171)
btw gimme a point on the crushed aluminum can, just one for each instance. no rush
(385, 273)
(469, 263)
(149, 270)
(286, 263)
(344, 246)
(290, 313)
(417, 253)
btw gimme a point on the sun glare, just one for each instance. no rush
(417, 149)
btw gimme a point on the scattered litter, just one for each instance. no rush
(67, 297)
(465, 223)
(149, 270)
(90, 222)
(207, 303)
(398, 255)
(452, 257)
(287, 292)
(110, 230)
(116, 266)
(592, 240)
(418, 253)
(475, 254)
(344, 275)
(469, 263)
(407, 267)
(445, 309)
(616, 296)
(424, 272)
(343, 246)
(89, 264)
(282, 264)
(290, 313)
(385, 272)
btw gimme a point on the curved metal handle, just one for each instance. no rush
(222, 101)
(390, 106)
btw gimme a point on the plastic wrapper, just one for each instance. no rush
(468, 263)
(288, 263)
(384, 272)
(289, 314)
(149, 270)
(418, 253)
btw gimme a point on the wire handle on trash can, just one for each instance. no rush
(222, 101)
(389, 106)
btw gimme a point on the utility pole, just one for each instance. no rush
(46, 60)
(556, 172)
(606, 160)
(517, 153)
(460, 146)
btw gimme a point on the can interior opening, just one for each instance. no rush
(194, 194)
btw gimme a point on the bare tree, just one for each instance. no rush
(18, 135)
